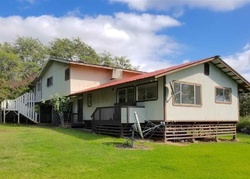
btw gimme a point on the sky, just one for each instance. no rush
(153, 34)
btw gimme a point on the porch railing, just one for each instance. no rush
(118, 114)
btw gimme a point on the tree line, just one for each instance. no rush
(21, 61)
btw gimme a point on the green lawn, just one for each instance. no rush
(43, 152)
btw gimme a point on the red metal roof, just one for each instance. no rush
(165, 71)
(143, 76)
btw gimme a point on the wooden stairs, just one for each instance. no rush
(23, 105)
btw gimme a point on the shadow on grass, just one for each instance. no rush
(77, 132)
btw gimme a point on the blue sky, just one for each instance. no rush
(152, 34)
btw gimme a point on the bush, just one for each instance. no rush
(244, 125)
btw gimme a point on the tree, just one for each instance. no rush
(60, 105)
(73, 50)
(32, 53)
(19, 64)
(120, 62)
(9, 68)
(245, 104)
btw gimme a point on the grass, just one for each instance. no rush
(43, 152)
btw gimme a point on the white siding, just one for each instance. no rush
(100, 98)
(60, 86)
(154, 110)
(209, 111)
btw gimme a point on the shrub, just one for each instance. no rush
(244, 125)
(245, 104)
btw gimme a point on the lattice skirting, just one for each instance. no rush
(173, 131)
(198, 130)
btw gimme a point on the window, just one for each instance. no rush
(187, 94)
(125, 95)
(206, 69)
(39, 85)
(223, 95)
(89, 100)
(50, 81)
(67, 74)
(147, 92)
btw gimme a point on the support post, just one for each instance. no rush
(132, 138)
(18, 117)
(1, 120)
(3, 115)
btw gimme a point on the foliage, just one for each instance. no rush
(121, 62)
(244, 125)
(60, 105)
(40, 152)
(9, 68)
(245, 104)
(73, 50)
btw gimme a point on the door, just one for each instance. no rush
(46, 114)
(79, 110)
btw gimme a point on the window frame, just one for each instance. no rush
(223, 88)
(39, 86)
(67, 74)
(50, 81)
(89, 100)
(186, 104)
(206, 69)
(126, 95)
(146, 99)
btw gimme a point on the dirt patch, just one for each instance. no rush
(4, 130)
(136, 147)
(127, 146)
(177, 143)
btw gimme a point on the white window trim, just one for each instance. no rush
(185, 104)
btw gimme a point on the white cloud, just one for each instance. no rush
(132, 35)
(240, 61)
(216, 5)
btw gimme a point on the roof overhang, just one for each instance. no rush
(244, 85)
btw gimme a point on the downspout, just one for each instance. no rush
(164, 105)
(164, 99)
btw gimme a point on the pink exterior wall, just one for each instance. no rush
(83, 77)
